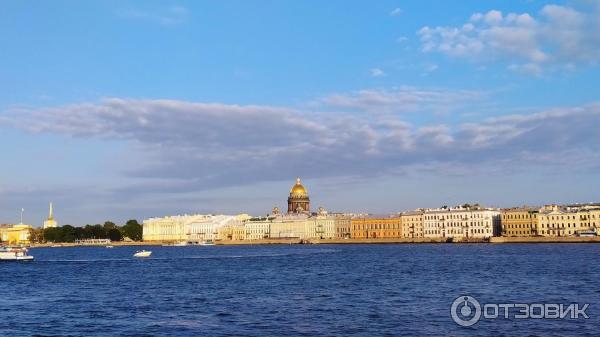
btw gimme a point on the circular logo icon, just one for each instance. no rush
(465, 311)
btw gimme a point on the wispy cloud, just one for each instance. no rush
(376, 72)
(166, 16)
(403, 99)
(557, 36)
(402, 39)
(396, 12)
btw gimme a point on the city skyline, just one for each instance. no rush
(378, 108)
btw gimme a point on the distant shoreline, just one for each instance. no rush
(493, 240)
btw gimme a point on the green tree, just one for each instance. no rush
(108, 225)
(94, 232)
(54, 234)
(114, 234)
(132, 230)
(36, 235)
(68, 233)
(79, 233)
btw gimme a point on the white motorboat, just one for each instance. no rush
(14, 254)
(109, 246)
(207, 243)
(180, 244)
(142, 253)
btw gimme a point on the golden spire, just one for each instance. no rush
(51, 214)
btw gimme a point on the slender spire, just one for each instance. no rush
(298, 181)
(51, 214)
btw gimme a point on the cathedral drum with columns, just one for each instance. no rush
(298, 201)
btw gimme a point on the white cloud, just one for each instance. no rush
(194, 146)
(557, 36)
(396, 12)
(429, 68)
(376, 72)
(167, 16)
(403, 99)
(527, 68)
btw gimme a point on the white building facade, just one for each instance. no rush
(188, 228)
(460, 223)
(207, 229)
(258, 228)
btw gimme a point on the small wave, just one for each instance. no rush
(83, 260)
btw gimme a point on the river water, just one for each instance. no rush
(295, 290)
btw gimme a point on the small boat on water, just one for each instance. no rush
(109, 246)
(14, 254)
(142, 253)
(207, 243)
(180, 244)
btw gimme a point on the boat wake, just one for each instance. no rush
(188, 257)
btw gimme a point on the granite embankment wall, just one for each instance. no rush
(495, 240)
(571, 239)
(331, 241)
(539, 239)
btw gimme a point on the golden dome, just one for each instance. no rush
(298, 188)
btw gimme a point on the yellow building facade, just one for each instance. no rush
(15, 234)
(519, 221)
(412, 224)
(342, 226)
(288, 227)
(590, 218)
(567, 221)
(232, 233)
(376, 227)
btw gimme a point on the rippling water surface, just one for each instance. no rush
(293, 290)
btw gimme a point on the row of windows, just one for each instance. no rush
(454, 216)
(453, 231)
(561, 217)
(458, 224)
(556, 232)
(375, 226)
(519, 216)
(519, 225)
(367, 234)
(520, 233)
(558, 225)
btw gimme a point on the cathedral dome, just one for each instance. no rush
(298, 201)
(298, 189)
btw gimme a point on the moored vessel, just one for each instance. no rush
(14, 254)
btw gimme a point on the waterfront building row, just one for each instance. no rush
(198, 228)
(298, 226)
(551, 221)
(190, 228)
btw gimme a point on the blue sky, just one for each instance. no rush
(118, 110)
